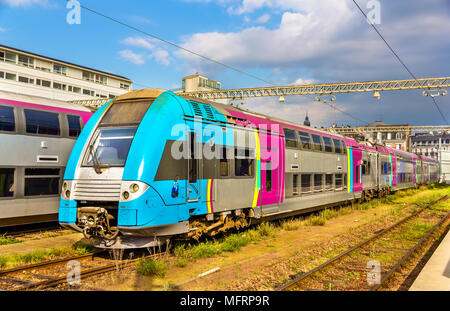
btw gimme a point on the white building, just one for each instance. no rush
(32, 74)
(196, 82)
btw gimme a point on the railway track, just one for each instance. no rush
(58, 272)
(14, 233)
(369, 264)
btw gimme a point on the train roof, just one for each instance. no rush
(37, 100)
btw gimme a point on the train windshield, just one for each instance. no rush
(110, 147)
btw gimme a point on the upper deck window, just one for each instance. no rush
(74, 125)
(317, 142)
(328, 144)
(291, 138)
(42, 122)
(305, 140)
(7, 121)
(337, 146)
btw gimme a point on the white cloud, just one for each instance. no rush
(132, 57)
(2, 29)
(138, 42)
(161, 56)
(263, 18)
(25, 3)
(301, 81)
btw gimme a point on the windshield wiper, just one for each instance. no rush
(95, 162)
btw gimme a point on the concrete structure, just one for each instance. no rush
(196, 82)
(444, 162)
(430, 145)
(435, 276)
(32, 74)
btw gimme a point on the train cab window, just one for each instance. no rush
(306, 183)
(7, 121)
(42, 122)
(7, 185)
(42, 181)
(337, 146)
(318, 183)
(243, 163)
(305, 140)
(74, 125)
(126, 113)
(338, 181)
(317, 142)
(328, 144)
(291, 138)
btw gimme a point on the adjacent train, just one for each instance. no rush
(151, 165)
(36, 138)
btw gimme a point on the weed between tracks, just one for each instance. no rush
(79, 248)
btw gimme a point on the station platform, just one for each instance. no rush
(435, 276)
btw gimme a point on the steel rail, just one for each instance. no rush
(359, 245)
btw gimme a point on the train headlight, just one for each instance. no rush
(134, 188)
(65, 186)
(126, 195)
(67, 193)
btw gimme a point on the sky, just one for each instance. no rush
(282, 41)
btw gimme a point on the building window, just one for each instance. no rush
(44, 83)
(74, 125)
(59, 69)
(42, 181)
(88, 92)
(26, 80)
(100, 79)
(59, 86)
(10, 76)
(243, 163)
(26, 61)
(8, 57)
(2, 75)
(317, 142)
(291, 138)
(7, 120)
(42, 123)
(124, 86)
(87, 76)
(7, 185)
(306, 183)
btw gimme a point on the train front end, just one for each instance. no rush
(108, 190)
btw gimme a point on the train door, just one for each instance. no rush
(271, 168)
(194, 165)
(357, 170)
(393, 179)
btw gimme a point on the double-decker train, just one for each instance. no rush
(150, 165)
(36, 138)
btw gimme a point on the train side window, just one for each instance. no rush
(224, 163)
(339, 182)
(328, 144)
(306, 183)
(364, 168)
(74, 125)
(317, 142)
(7, 185)
(344, 148)
(7, 120)
(305, 140)
(337, 146)
(291, 138)
(295, 184)
(42, 181)
(329, 182)
(318, 182)
(42, 122)
(345, 181)
(268, 176)
(244, 162)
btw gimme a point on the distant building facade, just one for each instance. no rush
(392, 136)
(196, 82)
(429, 145)
(32, 74)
